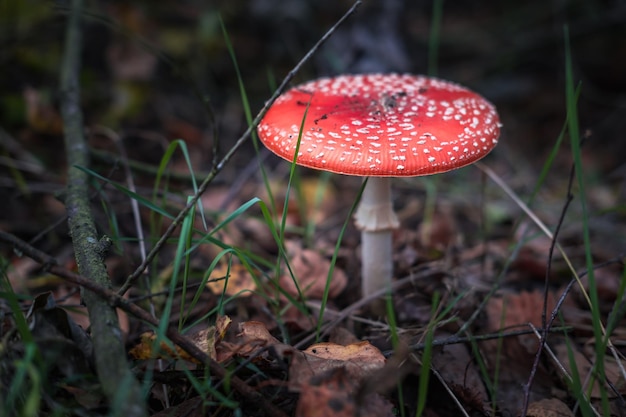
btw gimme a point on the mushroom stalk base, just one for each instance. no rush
(376, 220)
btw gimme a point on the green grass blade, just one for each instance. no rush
(545, 169)
(140, 199)
(574, 133)
(434, 37)
(186, 235)
(427, 355)
(395, 343)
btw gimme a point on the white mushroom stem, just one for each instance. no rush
(376, 220)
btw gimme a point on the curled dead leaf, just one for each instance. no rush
(254, 336)
(206, 339)
(362, 351)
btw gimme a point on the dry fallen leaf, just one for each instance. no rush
(205, 339)
(514, 356)
(233, 279)
(360, 351)
(255, 331)
(334, 394)
(328, 395)
(551, 407)
(359, 359)
(310, 270)
(584, 364)
(519, 309)
(254, 336)
(456, 366)
(514, 309)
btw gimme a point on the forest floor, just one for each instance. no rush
(264, 275)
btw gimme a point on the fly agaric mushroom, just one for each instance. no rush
(380, 126)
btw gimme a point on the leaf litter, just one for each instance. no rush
(463, 251)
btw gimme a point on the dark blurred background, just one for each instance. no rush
(155, 71)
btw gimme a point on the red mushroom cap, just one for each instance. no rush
(381, 125)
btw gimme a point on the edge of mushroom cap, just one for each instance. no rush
(379, 102)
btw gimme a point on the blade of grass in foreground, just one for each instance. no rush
(427, 357)
(247, 111)
(23, 392)
(395, 343)
(551, 157)
(574, 132)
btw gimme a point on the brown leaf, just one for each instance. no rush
(205, 339)
(253, 336)
(551, 407)
(333, 394)
(233, 279)
(456, 366)
(359, 359)
(359, 351)
(584, 366)
(513, 309)
(310, 271)
(298, 320)
(328, 395)
(514, 356)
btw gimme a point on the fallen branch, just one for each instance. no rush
(118, 382)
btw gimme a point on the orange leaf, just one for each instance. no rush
(231, 280)
(205, 339)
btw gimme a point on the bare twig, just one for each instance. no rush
(443, 382)
(116, 379)
(218, 167)
(547, 324)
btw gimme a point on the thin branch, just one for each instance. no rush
(546, 325)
